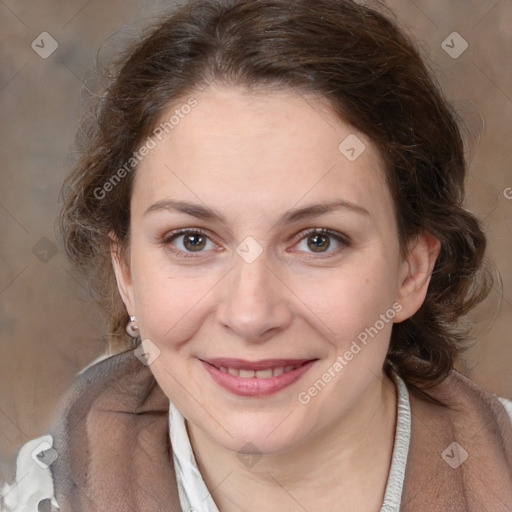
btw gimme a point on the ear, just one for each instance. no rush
(417, 269)
(123, 275)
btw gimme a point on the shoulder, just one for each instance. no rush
(33, 488)
(468, 400)
(113, 419)
(468, 390)
(460, 454)
(471, 416)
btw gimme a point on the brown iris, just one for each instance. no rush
(194, 242)
(318, 243)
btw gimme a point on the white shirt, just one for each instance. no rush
(34, 481)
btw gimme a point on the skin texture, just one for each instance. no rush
(252, 157)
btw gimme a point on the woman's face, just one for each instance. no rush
(230, 272)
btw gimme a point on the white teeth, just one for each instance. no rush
(259, 374)
(263, 374)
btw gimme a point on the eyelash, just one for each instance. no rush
(341, 238)
(173, 235)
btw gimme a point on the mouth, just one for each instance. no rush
(256, 378)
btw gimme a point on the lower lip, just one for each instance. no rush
(254, 386)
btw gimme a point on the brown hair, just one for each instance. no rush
(372, 76)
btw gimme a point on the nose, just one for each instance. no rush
(254, 304)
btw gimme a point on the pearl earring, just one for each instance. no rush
(132, 327)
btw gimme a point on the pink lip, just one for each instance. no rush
(255, 386)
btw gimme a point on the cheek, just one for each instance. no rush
(347, 300)
(170, 307)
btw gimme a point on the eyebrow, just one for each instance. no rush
(293, 215)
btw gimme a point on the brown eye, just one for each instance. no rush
(318, 243)
(322, 241)
(194, 242)
(186, 242)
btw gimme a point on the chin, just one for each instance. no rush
(256, 436)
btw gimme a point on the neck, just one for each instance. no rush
(346, 467)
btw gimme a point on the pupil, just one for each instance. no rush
(194, 242)
(318, 243)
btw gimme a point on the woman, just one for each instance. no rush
(269, 200)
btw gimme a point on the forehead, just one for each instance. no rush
(269, 149)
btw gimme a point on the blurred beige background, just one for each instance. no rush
(50, 329)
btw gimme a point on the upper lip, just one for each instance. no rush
(262, 364)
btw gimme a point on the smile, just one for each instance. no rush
(256, 378)
(258, 374)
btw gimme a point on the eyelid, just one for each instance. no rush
(341, 237)
(184, 231)
(173, 235)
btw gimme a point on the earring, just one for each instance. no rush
(132, 327)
